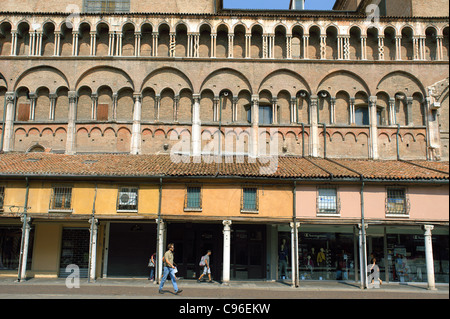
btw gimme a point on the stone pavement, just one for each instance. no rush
(140, 288)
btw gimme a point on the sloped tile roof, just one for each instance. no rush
(123, 165)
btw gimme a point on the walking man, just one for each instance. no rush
(169, 269)
(206, 268)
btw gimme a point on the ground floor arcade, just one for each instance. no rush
(240, 250)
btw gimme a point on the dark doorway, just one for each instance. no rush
(74, 251)
(248, 253)
(130, 248)
(192, 241)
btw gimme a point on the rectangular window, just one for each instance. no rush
(61, 199)
(2, 197)
(249, 199)
(193, 199)
(327, 201)
(127, 200)
(265, 115)
(106, 6)
(396, 201)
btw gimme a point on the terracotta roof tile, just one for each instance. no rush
(111, 165)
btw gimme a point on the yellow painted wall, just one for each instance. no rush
(82, 198)
(225, 201)
(14, 196)
(46, 250)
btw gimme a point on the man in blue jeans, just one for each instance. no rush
(169, 269)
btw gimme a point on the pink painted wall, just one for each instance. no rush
(427, 203)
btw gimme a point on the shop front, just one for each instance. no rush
(331, 252)
(324, 252)
(400, 252)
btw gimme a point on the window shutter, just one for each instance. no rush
(23, 112)
(102, 112)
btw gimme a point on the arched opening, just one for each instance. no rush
(5, 39)
(128, 40)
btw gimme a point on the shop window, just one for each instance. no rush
(249, 200)
(127, 200)
(61, 199)
(397, 202)
(193, 199)
(2, 197)
(327, 201)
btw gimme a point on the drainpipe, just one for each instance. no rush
(3, 126)
(93, 241)
(363, 241)
(159, 248)
(397, 137)
(295, 272)
(25, 238)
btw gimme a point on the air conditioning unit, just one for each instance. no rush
(128, 197)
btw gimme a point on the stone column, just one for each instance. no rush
(323, 47)
(294, 110)
(392, 117)
(213, 44)
(274, 110)
(24, 247)
(136, 130)
(137, 44)
(9, 121)
(294, 253)
(94, 100)
(196, 126)
(248, 45)
(226, 251)
(75, 36)
(71, 127)
(255, 126)
(398, 47)
(33, 98)
(305, 46)
(332, 110)
(314, 133)
(230, 45)
(155, 43)
(429, 256)
(352, 110)
(57, 51)
(93, 42)
(289, 46)
(346, 40)
(363, 47)
(373, 150)
(172, 44)
(53, 97)
(111, 43)
(196, 45)
(409, 118)
(13, 42)
(93, 248)
(363, 255)
(381, 47)
(160, 249)
(439, 47)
